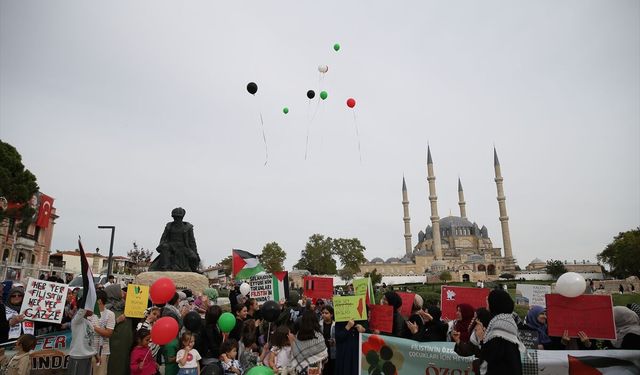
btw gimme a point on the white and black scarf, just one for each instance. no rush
(503, 326)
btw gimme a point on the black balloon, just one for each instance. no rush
(252, 88)
(192, 321)
(270, 311)
(311, 94)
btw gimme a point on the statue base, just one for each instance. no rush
(195, 282)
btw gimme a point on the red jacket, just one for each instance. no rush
(140, 354)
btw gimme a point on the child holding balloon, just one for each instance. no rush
(142, 360)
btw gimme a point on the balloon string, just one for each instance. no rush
(355, 124)
(264, 138)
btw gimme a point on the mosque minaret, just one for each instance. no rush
(461, 202)
(407, 219)
(433, 198)
(502, 204)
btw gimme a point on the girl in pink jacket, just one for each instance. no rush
(142, 361)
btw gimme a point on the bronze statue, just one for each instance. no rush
(177, 248)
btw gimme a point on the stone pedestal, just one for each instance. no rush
(196, 282)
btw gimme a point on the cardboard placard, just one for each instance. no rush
(531, 294)
(407, 303)
(137, 301)
(349, 308)
(592, 314)
(381, 318)
(269, 287)
(44, 301)
(529, 338)
(318, 287)
(364, 287)
(452, 296)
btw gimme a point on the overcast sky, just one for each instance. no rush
(124, 110)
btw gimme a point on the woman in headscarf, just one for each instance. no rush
(308, 348)
(537, 320)
(627, 328)
(500, 347)
(433, 328)
(464, 316)
(17, 325)
(121, 339)
(392, 298)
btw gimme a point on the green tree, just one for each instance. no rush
(272, 257)
(140, 259)
(350, 252)
(317, 256)
(376, 278)
(226, 264)
(623, 254)
(346, 274)
(555, 268)
(445, 276)
(17, 186)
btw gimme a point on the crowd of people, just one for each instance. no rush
(302, 339)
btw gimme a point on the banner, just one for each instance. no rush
(364, 287)
(50, 356)
(531, 294)
(391, 355)
(44, 301)
(347, 308)
(592, 314)
(407, 303)
(381, 318)
(318, 287)
(268, 287)
(137, 301)
(452, 296)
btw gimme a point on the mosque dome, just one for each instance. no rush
(377, 260)
(406, 259)
(456, 222)
(393, 260)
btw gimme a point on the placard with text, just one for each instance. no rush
(44, 301)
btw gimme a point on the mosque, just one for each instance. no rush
(453, 243)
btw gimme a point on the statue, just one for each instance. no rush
(177, 248)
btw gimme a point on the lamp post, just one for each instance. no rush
(113, 230)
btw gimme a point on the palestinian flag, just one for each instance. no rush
(245, 265)
(280, 285)
(88, 300)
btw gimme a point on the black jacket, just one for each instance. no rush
(4, 324)
(502, 357)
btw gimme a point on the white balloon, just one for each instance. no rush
(323, 68)
(245, 289)
(570, 284)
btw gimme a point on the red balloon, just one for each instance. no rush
(164, 330)
(162, 290)
(351, 102)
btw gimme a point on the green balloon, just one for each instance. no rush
(336, 47)
(260, 370)
(226, 322)
(285, 110)
(323, 95)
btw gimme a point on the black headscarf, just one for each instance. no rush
(500, 302)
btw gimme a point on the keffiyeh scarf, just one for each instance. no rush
(503, 326)
(307, 353)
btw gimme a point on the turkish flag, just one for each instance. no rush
(44, 213)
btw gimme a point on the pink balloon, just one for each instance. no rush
(351, 102)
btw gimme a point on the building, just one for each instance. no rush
(578, 266)
(26, 253)
(453, 243)
(216, 275)
(69, 260)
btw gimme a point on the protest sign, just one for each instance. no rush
(50, 356)
(318, 287)
(44, 301)
(408, 357)
(528, 338)
(407, 303)
(381, 318)
(349, 307)
(364, 287)
(137, 301)
(532, 294)
(269, 287)
(592, 314)
(452, 296)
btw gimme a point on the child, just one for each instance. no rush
(187, 356)
(142, 361)
(230, 364)
(248, 346)
(280, 349)
(20, 363)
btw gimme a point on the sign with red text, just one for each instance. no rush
(592, 314)
(318, 287)
(452, 296)
(407, 303)
(381, 318)
(347, 308)
(44, 301)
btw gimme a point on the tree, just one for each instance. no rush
(375, 277)
(350, 252)
(317, 256)
(346, 274)
(272, 257)
(17, 186)
(445, 276)
(226, 264)
(555, 268)
(140, 259)
(623, 254)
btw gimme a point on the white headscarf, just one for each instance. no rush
(626, 322)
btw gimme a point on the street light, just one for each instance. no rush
(113, 230)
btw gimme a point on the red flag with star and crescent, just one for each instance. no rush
(44, 212)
